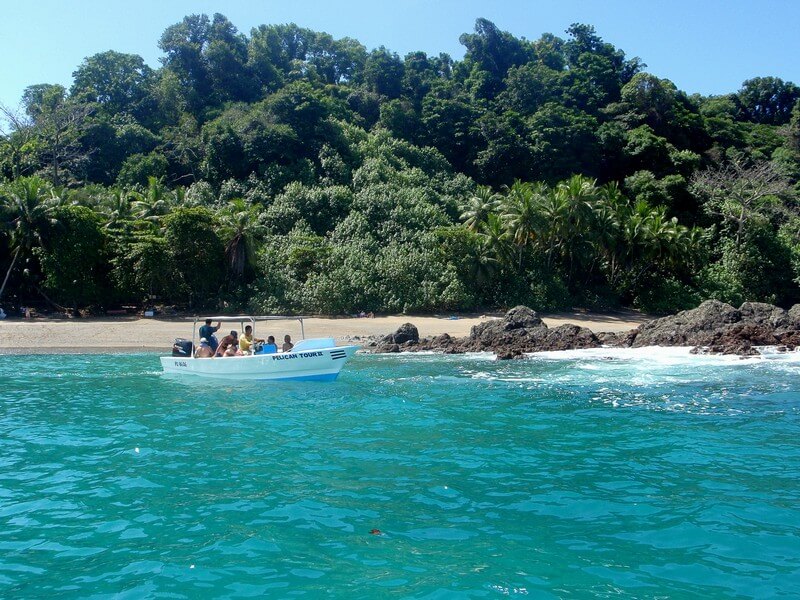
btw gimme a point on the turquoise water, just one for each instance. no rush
(633, 475)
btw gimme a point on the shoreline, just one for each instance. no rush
(155, 334)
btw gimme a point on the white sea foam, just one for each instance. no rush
(666, 356)
(600, 357)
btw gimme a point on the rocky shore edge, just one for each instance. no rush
(714, 327)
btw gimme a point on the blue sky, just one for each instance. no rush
(705, 46)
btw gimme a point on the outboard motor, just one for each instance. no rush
(183, 348)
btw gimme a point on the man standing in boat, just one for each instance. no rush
(207, 331)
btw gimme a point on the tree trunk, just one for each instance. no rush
(8, 273)
(50, 302)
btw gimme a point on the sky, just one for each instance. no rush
(703, 46)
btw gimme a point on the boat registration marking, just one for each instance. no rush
(296, 355)
(180, 363)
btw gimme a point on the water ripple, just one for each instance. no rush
(634, 475)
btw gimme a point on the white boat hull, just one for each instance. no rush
(319, 364)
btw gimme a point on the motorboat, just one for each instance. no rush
(312, 359)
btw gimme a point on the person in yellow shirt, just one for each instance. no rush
(247, 340)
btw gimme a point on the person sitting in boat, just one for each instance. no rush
(229, 341)
(287, 343)
(247, 341)
(204, 349)
(207, 331)
(270, 347)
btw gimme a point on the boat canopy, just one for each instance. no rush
(242, 319)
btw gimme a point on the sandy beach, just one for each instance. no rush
(156, 334)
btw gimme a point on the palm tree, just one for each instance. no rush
(579, 194)
(495, 237)
(154, 203)
(116, 207)
(647, 237)
(243, 226)
(521, 215)
(607, 229)
(29, 204)
(554, 210)
(478, 207)
(484, 264)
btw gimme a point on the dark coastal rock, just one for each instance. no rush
(608, 338)
(625, 339)
(788, 337)
(743, 349)
(519, 330)
(712, 328)
(522, 331)
(407, 332)
(718, 328)
(753, 333)
(762, 313)
(521, 317)
(687, 328)
(519, 340)
(508, 354)
(793, 315)
(570, 337)
(406, 338)
(441, 342)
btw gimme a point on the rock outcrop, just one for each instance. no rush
(519, 332)
(404, 334)
(694, 327)
(712, 328)
(719, 328)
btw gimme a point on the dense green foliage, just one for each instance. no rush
(290, 171)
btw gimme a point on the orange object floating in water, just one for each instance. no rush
(376, 532)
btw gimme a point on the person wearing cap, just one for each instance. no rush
(228, 345)
(207, 331)
(204, 349)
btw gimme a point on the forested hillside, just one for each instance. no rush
(285, 170)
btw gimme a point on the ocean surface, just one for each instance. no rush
(593, 474)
